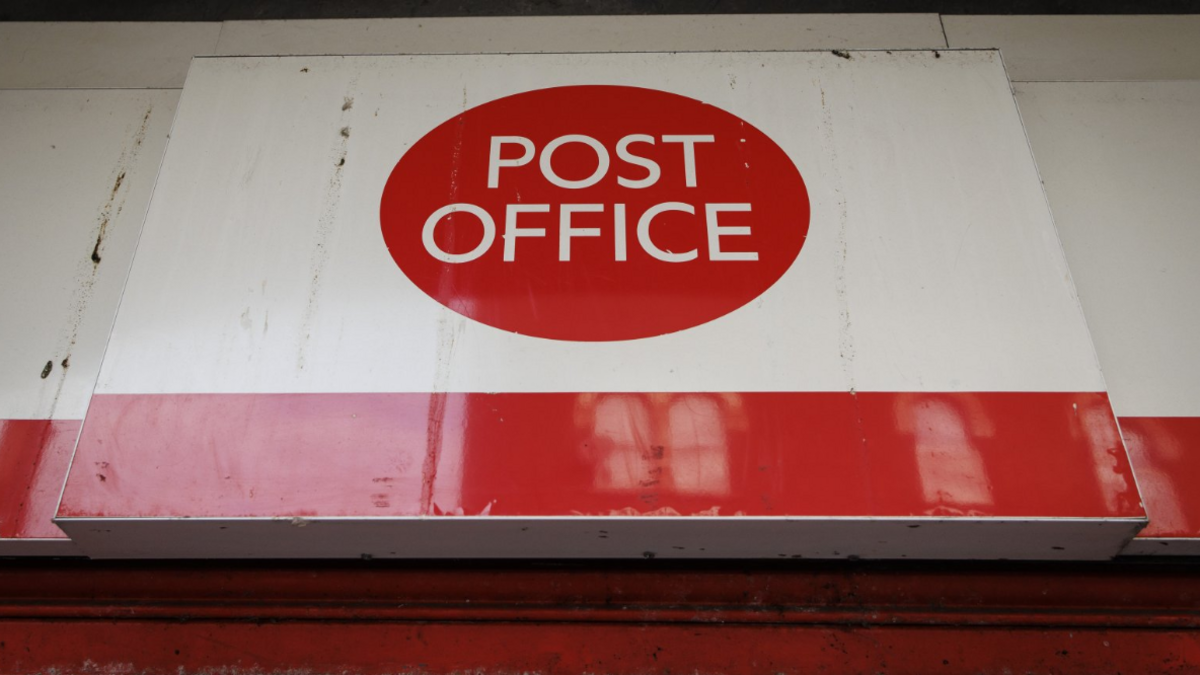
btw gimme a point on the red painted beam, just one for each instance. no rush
(231, 648)
(734, 618)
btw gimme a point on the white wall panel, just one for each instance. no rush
(1121, 165)
(79, 167)
(1085, 47)
(101, 55)
(583, 34)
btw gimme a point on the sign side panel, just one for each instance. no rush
(1119, 162)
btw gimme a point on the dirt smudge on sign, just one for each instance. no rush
(450, 327)
(323, 235)
(106, 212)
(433, 450)
(841, 257)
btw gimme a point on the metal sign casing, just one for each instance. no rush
(917, 382)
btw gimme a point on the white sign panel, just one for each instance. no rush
(742, 304)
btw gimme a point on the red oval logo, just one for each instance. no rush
(594, 213)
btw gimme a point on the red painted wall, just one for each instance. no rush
(630, 618)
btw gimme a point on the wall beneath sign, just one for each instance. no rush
(1035, 48)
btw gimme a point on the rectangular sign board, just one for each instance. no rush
(766, 305)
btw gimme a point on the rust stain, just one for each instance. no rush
(86, 280)
(99, 241)
(107, 211)
(433, 450)
(447, 331)
(436, 415)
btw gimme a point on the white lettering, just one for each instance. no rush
(651, 166)
(565, 231)
(601, 157)
(643, 232)
(689, 154)
(495, 162)
(431, 223)
(619, 232)
(716, 231)
(511, 231)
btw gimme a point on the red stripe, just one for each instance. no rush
(34, 455)
(1165, 452)
(757, 454)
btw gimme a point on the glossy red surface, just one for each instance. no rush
(1165, 452)
(604, 278)
(617, 618)
(34, 455)
(726, 454)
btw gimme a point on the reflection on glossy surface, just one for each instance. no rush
(674, 441)
(954, 479)
(561, 454)
(1108, 453)
(1165, 452)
